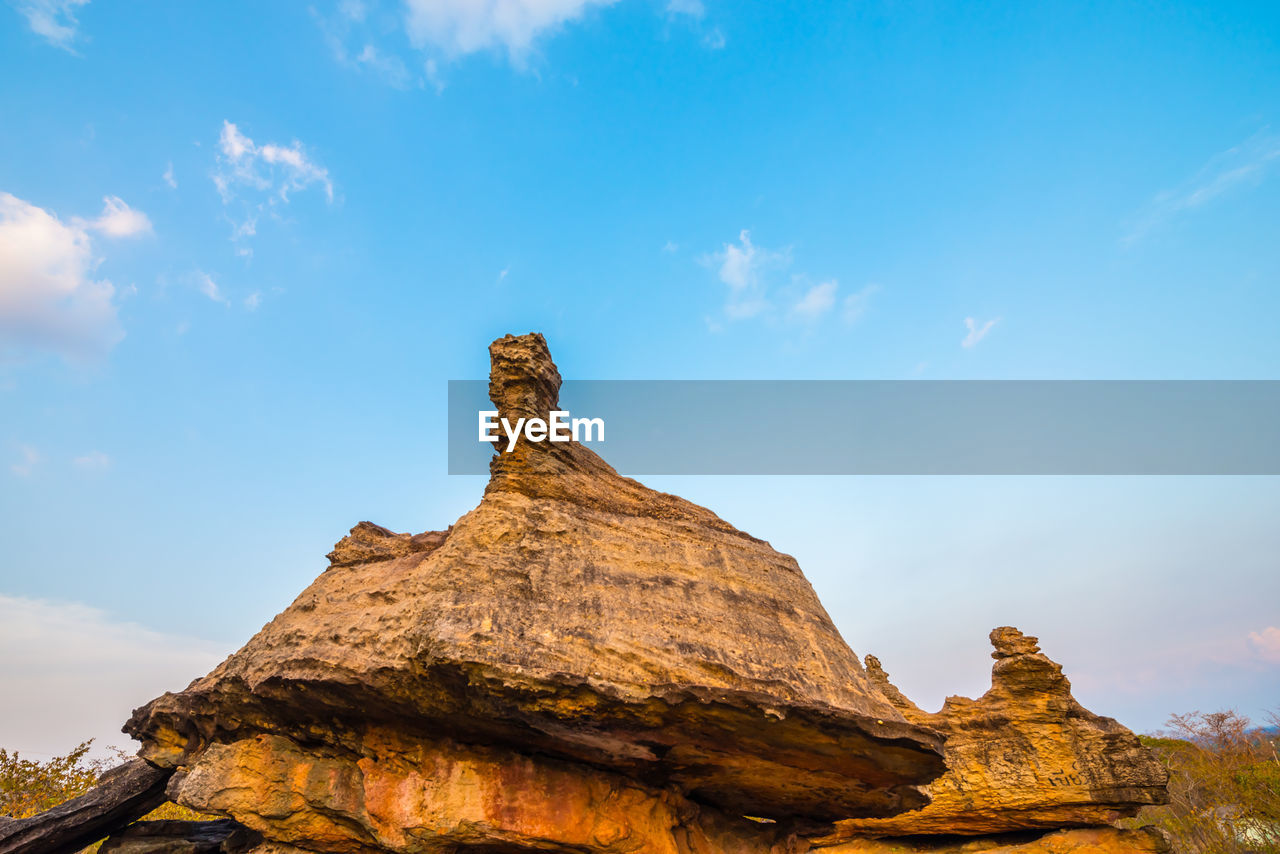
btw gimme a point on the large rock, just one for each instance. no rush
(574, 615)
(1025, 755)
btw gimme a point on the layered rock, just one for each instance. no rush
(574, 615)
(1023, 756)
(1092, 840)
(581, 664)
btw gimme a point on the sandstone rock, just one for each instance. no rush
(574, 614)
(122, 795)
(223, 836)
(1025, 755)
(414, 795)
(1093, 840)
(369, 543)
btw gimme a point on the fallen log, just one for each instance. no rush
(123, 795)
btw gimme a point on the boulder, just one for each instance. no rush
(1023, 756)
(573, 616)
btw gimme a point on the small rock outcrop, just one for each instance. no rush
(1024, 756)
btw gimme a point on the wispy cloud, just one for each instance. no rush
(209, 287)
(92, 461)
(977, 331)
(253, 300)
(692, 8)
(457, 27)
(169, 178)
(1239, 167)
(28, 459)
(816, 302)
(743, 266)
(50, 297)
(53, 20)
(262, 177)
(856, 304)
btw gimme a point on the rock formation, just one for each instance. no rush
(1024, 756)
(581, 664)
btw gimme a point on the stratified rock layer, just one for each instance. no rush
(574, 614)
(1025, 755)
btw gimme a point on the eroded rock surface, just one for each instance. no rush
(1025, 755)
(1092, 840)
(578, 614)
(586, 666)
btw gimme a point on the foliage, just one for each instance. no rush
(28, 787)
(1224, 785)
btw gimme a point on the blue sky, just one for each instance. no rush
(243, 246)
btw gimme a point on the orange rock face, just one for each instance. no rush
(1024, 756)
(408, 795)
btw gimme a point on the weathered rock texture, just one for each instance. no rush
(223, 836)
(1025, 755)
(1093, 840)
(576, 614)
(582, 664)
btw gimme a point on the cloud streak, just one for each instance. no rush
(1239, 167)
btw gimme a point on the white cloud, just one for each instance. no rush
(976, 331)
(714, 40)
(29, 458)
(169, 177)
(744, 267)
(54, 20)
(1266, 643)
(816, 302)
(458, 27)
(692, 8)
(93, 461)
(670, 246)
(272, 167)
(1239, 166)
(49, 298)
(120, 220)
(59, 653)
(207, 286)
(253, 300)
(855, 305)
(261, 177)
